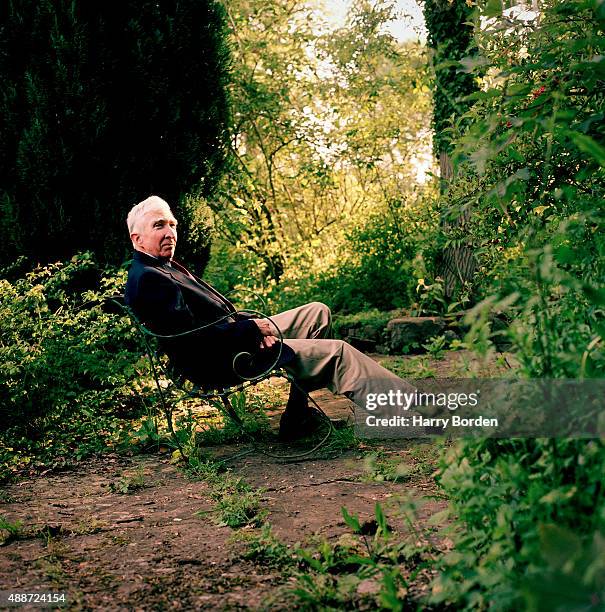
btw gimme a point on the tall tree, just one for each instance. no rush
(328, 125)
(450, 35)
(102, 104)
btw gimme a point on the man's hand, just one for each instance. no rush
(268, 342)
(267, 330)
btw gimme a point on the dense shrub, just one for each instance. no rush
(63, 361)
(527, 513)
(378, 264)
(530, 514)
(386, 257)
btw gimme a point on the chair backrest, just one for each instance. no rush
(242, 365)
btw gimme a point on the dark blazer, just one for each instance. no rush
(168, 299)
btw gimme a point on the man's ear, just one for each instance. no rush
(136, 238)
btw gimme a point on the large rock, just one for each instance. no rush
(365, 336)
(408, 334)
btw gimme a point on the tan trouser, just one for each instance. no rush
(335, 364)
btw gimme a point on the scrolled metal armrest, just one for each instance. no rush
(118, 300)
(270, 368)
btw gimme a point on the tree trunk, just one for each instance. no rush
(450, 36)
(457, 264)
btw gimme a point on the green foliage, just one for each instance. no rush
(380, 468)
(376, 265)
(529, 179)
(450, 35)
(129, 483)
(507, 497)
(239, 506)
(525, 168)
(66, 367)
(12, 528)
(365, 570)
(383, 258)
(412, 367)
(249, 406)
(342, 438)
(266, 550)
(236, 502)
(345, 325)
(574, 576)
(103, 105)
(436, 347)
(330, 128)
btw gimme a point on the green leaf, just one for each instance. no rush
(518, 89)
(514, 154)
(359, 560)
(565, 254)
(351, 521)
(381, 519)
(483, 95)
(595, 295)
(493, 8)
(587, 145)
(558, 545)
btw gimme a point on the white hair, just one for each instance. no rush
(138, 211)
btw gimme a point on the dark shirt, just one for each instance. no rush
(168, 299)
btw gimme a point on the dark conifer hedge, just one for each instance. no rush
(102, 104)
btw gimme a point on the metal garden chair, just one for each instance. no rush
(208, 394)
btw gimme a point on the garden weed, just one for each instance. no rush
(359, 571)
(236, 502)
(129, 483)
(266, 550)
(10, 531)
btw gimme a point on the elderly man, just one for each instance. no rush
(170, 300)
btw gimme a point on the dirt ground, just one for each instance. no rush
(149, 550)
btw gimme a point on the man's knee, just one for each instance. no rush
(324, 317)
(341, 347)
(321, 308)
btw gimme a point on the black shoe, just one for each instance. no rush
(299, 424)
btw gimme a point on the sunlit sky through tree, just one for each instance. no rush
(408, 26)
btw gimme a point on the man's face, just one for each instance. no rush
(156, 234)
